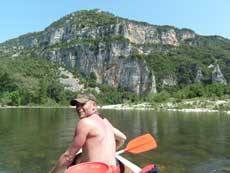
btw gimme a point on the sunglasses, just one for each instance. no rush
(80, 104)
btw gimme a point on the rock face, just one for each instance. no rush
(169, 81)
(199, 76)
(132, 31)
(111, 65)
(69, 81)
(142, 34)
(217, 76)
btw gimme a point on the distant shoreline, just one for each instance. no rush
(142, 106)
(33, 107)
(137, 107)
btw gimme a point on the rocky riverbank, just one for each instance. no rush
(185, 106)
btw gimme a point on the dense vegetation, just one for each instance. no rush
(86, 18)
(27, 81)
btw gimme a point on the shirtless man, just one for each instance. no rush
(93, 133)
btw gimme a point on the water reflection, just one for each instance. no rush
(32, 139)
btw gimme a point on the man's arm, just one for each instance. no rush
(119, 137)
(67, 157)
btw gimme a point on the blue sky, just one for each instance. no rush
(205, 17)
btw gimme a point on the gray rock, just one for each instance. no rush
(199, 76)
(69, 81)
(169, 81)
(217, 76)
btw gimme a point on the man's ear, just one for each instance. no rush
(94, 105)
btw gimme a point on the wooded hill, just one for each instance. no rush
(125, 60)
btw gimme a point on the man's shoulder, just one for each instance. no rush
(83, 124)
(85, 121)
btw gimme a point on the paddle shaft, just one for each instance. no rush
(130, 165)
(120, 152)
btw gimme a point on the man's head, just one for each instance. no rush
(85, 104)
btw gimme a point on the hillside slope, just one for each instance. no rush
(136, 56)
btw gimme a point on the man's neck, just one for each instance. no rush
(85, 116)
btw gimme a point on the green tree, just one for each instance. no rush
(6, 83)
(55, 91)
(15, 98)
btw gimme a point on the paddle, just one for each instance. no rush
(140, 144)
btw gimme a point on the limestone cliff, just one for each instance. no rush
(217, 76)
(111, 64)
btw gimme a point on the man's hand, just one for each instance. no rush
(119, 137)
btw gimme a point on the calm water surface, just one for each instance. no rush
(31, 140)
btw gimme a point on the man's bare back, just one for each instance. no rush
(100, 144)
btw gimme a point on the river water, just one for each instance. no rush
(31, 140)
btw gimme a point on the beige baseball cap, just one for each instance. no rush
(82, 98)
